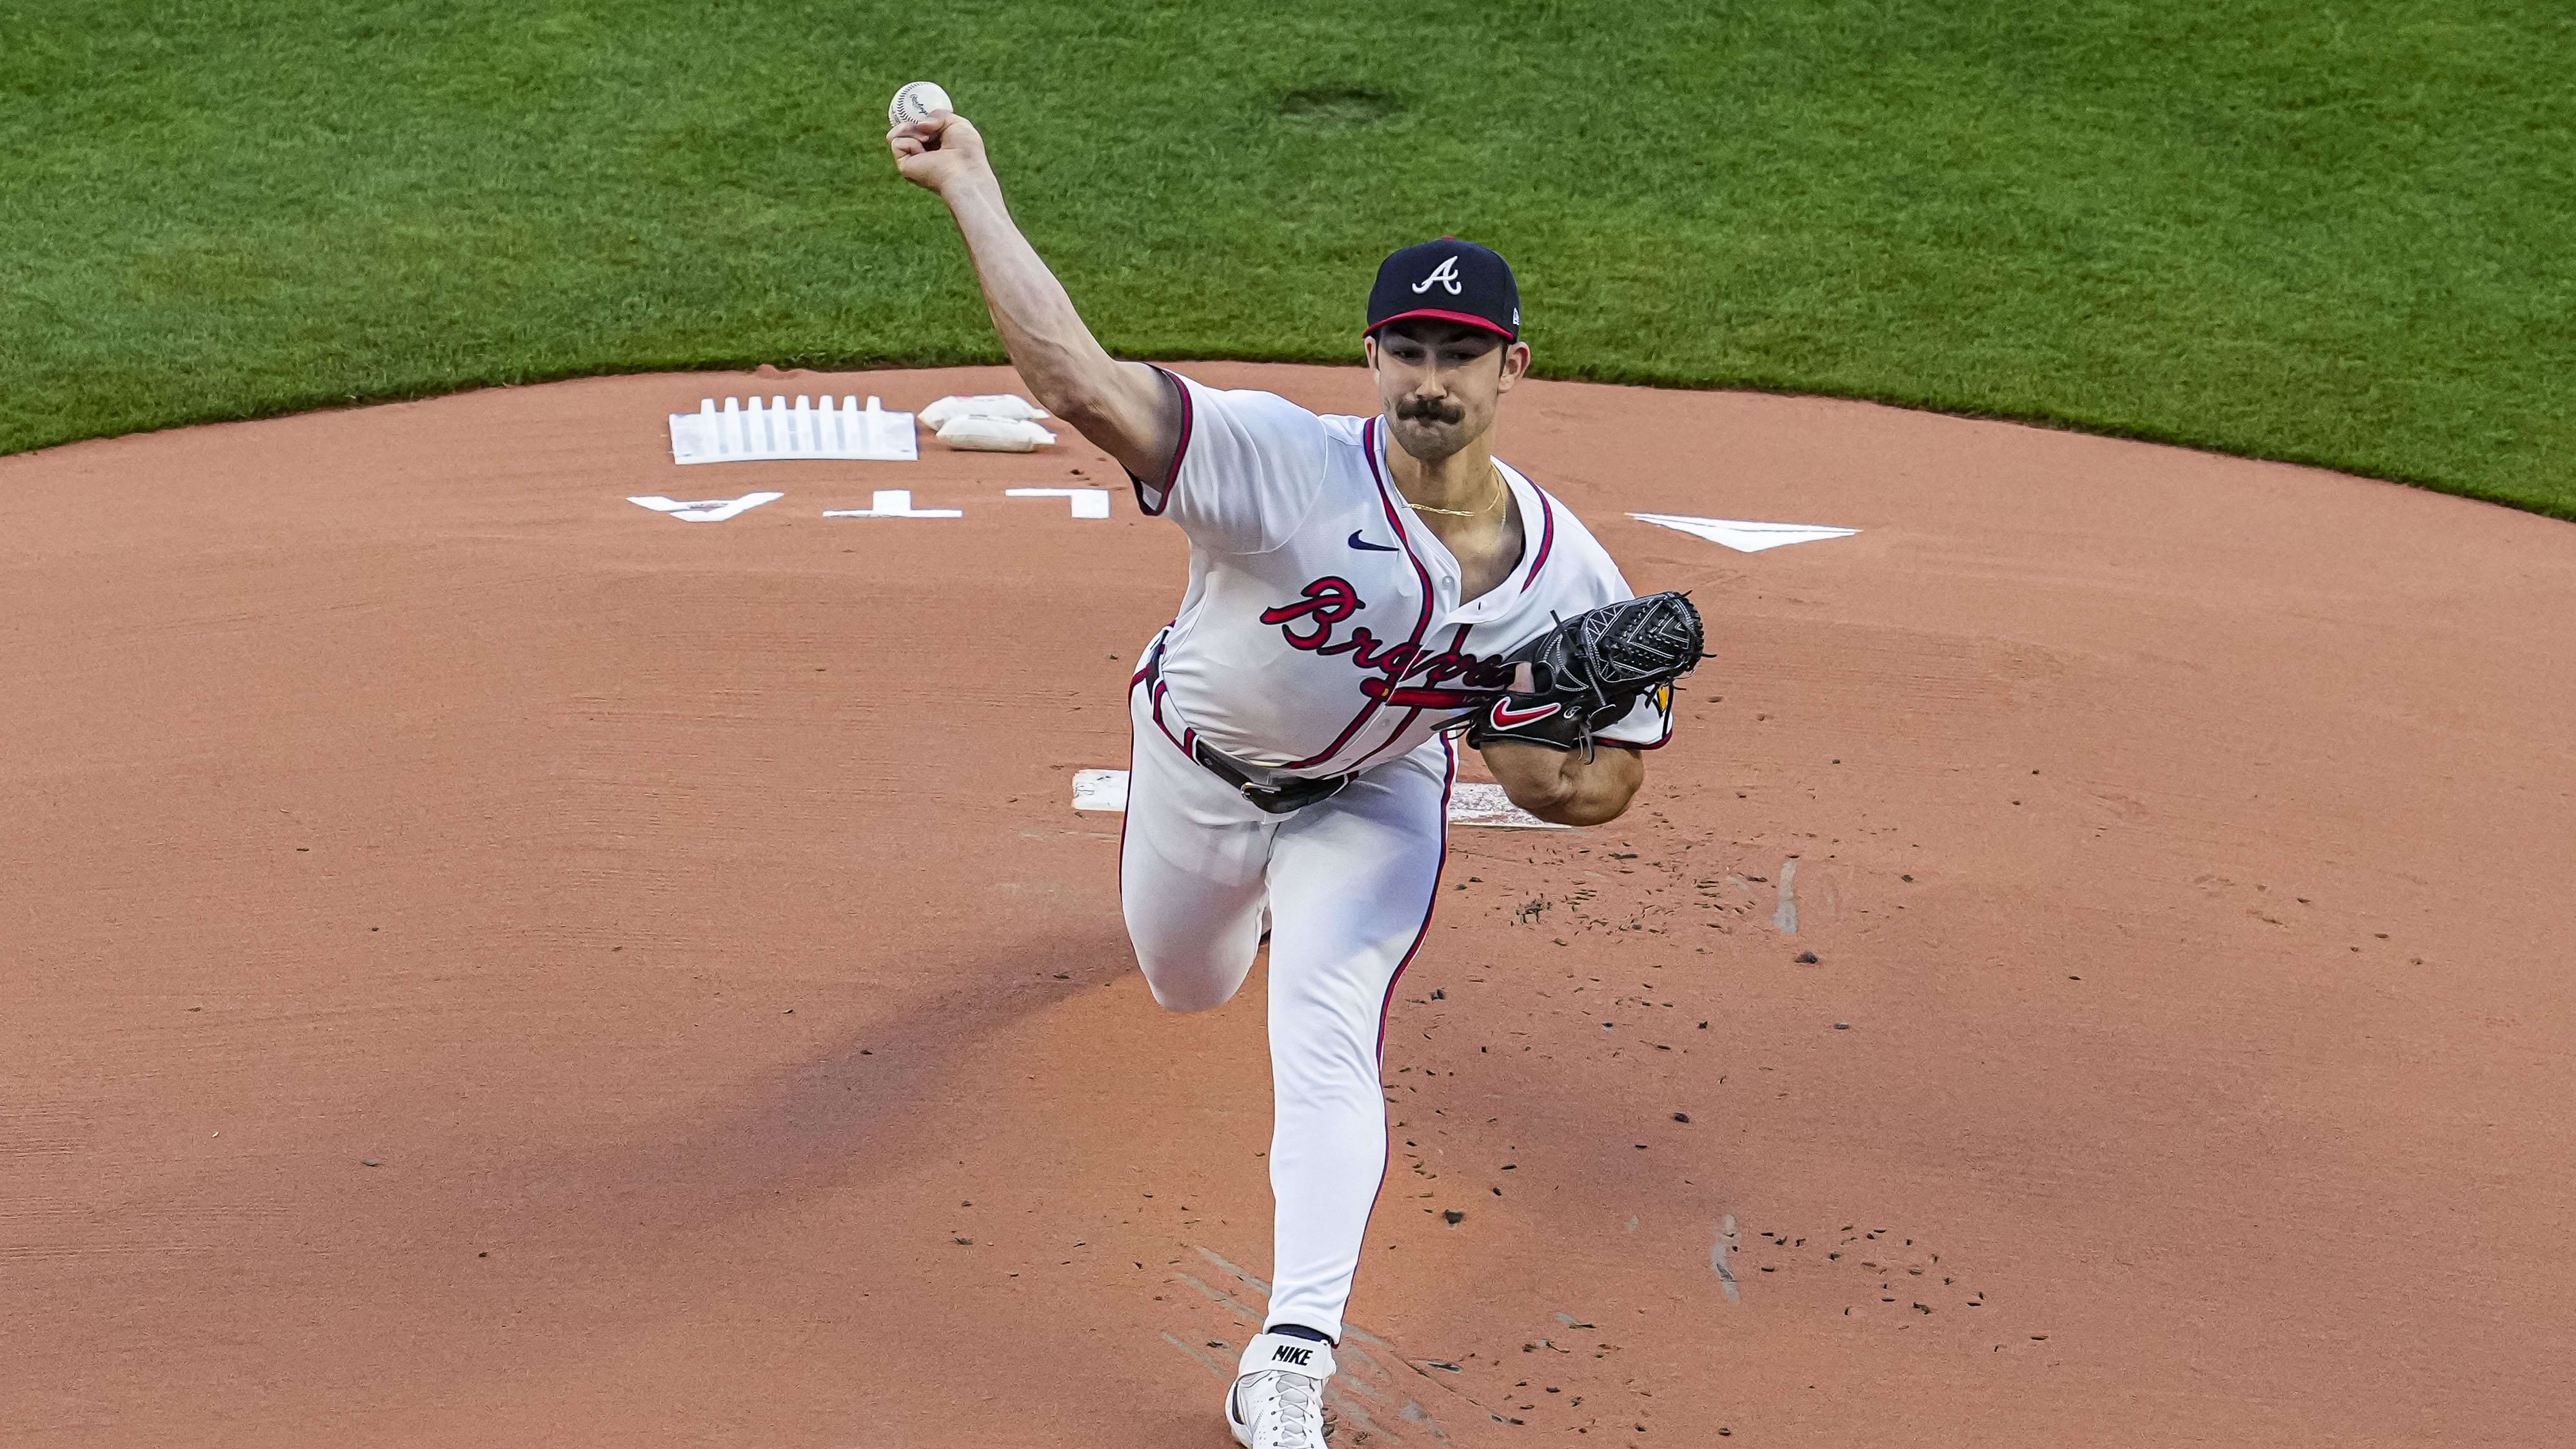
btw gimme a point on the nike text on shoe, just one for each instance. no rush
(1277, 1401)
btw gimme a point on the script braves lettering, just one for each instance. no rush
(1438, 680)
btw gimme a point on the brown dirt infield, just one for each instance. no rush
(489, 964)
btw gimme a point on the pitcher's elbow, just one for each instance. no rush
(1584, 812)
(1561, 802)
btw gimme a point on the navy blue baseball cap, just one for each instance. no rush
(1453, 280)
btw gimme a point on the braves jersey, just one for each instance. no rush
(1322, 631)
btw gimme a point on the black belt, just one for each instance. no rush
(1278, 799)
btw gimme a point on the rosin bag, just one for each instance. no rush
(994, 435)
(981, 405)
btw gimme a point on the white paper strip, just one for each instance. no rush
(709, 510)
(1485, 805)
(1087, 502)
(1741, 536)
(741, 434)
(893, 503)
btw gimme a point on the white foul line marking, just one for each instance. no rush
(1087, 502)
(1743, 536)
(711, 510)
(893, 503)
(1786, 917)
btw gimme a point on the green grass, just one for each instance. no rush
(2331, 232)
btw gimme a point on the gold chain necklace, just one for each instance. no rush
(1499, 488)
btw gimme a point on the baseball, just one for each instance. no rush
(915, 102)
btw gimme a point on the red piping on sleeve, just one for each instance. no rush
(1172, 476)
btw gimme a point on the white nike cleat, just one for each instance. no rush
(1277, 1401)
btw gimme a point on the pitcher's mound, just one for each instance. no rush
(488, 962)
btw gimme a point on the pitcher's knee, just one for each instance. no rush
(1189, 983)
(1188, 995)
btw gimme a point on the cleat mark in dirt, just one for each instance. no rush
(1241, 1309)
(1258, 1285)
(1224, 1373)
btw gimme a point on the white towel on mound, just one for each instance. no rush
(994, 435)
(981, 405)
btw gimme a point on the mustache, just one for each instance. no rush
(1429, 409)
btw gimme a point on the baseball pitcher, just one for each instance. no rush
(1363, 592)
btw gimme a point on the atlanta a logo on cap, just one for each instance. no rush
(1446, 274)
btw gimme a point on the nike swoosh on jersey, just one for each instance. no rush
(1505, 716)
(1359, 542)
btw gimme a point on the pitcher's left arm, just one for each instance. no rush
(1541, 737)
(1568, 787)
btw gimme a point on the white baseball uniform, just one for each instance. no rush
(1321, 635)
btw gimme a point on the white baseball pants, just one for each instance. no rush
(1350, 882)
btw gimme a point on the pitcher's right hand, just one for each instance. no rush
(941, 153)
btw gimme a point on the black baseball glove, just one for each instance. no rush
(1590, 670)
